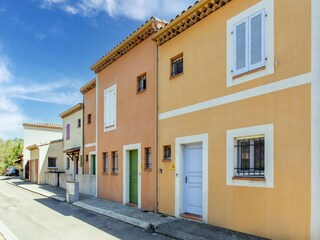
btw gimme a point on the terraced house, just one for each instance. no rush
(239, 116)
(126, 90)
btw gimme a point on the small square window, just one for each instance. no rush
(79, 123)
(249, 157)
(89, 118)
(177, 65)
(148, 159)
(105, 158)
(167, 152)
(142, 83)
(52, 162)
(115, 162)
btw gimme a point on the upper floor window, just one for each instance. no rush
(249, 44)
(110, 104)
(79, 123)
(89, 118)
(177, 65)
(67, 163)
(52, 162)
(68, 131)
(142, 83)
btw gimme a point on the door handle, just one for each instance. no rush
(186, 179)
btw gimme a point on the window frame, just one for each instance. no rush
(115, 162)
(89, 118)
(68, 163)
(269, 66)
(167, 157)
(140, 78)
(231, 156)
(148, 158)
(105, 158)
(174, 60)
(55, 162)
(79, 123)
(110, 122)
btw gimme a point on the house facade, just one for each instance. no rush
(126, 123)
(239, 114)
(45, 158)
(37, 134)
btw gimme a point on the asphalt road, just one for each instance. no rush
(26, 215)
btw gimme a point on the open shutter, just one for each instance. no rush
(240, 32)
(256, 40)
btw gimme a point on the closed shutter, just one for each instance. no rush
(107, 109)
(240, 47)
(110, 107)
(113, 107)
(256, 40)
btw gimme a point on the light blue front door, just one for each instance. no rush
(193, 179)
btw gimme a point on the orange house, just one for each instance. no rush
(126, 119)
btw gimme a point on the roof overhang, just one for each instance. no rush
(142, 33)
(71, 110)
(186, 19)
(32, 147)
(72, 152)
(90, 85)
(43, 125)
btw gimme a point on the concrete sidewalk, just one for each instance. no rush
(159, 223)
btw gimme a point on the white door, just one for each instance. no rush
(193, 179)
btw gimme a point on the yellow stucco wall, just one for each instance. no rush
(281, 212)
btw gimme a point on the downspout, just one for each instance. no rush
(156, 121)
(83, 121)
(97, 117)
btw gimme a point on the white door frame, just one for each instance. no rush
(126, 172)
(90, 173)
(179, 180)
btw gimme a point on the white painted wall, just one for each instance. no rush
(37, 135)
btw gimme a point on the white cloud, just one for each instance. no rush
(133, 9)
(5, 75)
(40, 36)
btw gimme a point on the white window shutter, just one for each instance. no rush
(256, 40)
(240, 47)
(113, 107)
(107, 109)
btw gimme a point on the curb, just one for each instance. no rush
(61, 199)
(133, 221)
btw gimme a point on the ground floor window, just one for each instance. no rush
(115, 162)
(67, 163)
(52, 162)
(249, 156)
(105, 158)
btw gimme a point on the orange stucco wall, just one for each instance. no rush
(281, 212)
(89, 129)
(136, 120)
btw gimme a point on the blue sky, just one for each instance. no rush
(48, 46)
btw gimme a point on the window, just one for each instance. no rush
(105, 158)
(79, 123)
(249, 44)
(87, 158)
(68, 131)
(52, 162)
(142, 83)
(114, 162)
(110, 107)
(148, 158)
(249, 157)
(68, 163)
(177, 65)
(89, 118)
(167, 152)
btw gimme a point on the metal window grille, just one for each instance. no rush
(167, 152)
(105, 162)
(148, 158)
(177, 66)
(142, 83)
(250, 157)
(52, 162)
(115, 162)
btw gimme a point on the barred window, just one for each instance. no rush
(105, 158)
(148, 164)
(52, 162)
(250, 157)
(115, 162)
(177, 65)
(167, 152)
(142, 83)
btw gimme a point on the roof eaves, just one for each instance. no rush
(71, 110)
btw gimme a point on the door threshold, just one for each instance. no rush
(191, 216)
(132, 204)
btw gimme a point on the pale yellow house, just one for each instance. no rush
(239, 116)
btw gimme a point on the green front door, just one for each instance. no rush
(133, 176)
(93, 164)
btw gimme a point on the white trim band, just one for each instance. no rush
(252, 92)
(90, 145)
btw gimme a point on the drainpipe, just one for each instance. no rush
(82, 145)
(157, 130)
